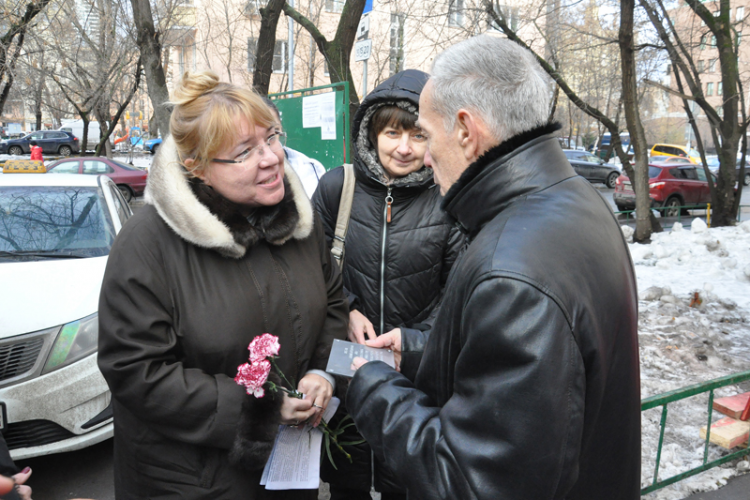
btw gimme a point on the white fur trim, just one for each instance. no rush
(169, 192)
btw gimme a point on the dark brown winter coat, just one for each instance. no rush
(189, 284)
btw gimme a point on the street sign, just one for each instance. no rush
(362, 50)
(363, 29)
(368, 7)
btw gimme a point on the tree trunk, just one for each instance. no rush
(150, 46)
(269, 19)
(633, 120)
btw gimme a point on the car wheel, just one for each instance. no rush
(746, 182)
(153, 150)
(15, 150)
(672, 207)
(65, 151)
(612, 180)
(126, 192)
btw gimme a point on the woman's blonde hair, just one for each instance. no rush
(203, 118)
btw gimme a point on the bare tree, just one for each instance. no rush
(725, 127)
(336, 52)
(12, 41)
(149, 43)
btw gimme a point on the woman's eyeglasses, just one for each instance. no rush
(274, 143)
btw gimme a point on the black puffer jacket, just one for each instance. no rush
(529, 382)
(394, 272)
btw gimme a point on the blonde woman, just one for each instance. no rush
(226, 249)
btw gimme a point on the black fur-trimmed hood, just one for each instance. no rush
(203, 217)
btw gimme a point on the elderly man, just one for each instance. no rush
(528, 385)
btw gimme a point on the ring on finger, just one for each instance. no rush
(316, 406)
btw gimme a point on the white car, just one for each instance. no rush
(56, 232)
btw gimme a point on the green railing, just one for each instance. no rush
(669, 397)
(631, 213)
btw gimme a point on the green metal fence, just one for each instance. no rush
(670, 397)
(678, 212)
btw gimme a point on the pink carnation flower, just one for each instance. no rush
(253, 376)
(264, 346)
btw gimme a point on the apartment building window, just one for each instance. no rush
(713, 40)
(325, 68)
(279, 56)
(509, 15)
(397, 43)
(712, 65)
(720, 88)
(335, 5)
(700, 66)
(739, 39)
(709, 89)
(455, 12)
(703, 42)
(252, 7)
(740, 14)
(252, 48)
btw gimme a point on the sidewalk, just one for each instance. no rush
(738, 488)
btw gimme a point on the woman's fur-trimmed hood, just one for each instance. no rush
(202, 217)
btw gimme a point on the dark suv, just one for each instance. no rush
(51, 142)
(670, 186)
(592, 168)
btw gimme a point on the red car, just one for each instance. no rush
(131, 180)
(670, 185)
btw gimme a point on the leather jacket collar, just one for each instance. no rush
(524, 164)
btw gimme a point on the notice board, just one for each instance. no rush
(316, 121)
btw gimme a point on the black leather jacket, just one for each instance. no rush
(528, 387)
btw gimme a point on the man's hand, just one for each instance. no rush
(319, 391)
(392, 341)
(360, 328)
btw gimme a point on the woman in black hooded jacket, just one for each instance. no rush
(399, 246)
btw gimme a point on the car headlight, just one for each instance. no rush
(75, 341)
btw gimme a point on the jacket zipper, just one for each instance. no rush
(386, 221)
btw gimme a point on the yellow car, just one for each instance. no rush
(675, 150)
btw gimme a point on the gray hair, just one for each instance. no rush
(497, 79)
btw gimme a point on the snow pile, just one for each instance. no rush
(694, 326)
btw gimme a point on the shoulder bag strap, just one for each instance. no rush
(345, 210)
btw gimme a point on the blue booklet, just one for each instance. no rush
(343, 353)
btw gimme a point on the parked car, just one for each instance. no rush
(592, 168)
(713, 166)
(746, 177)
(75, 127)
(131, 180)
(670, 186)
(56, 232)
(51, 142)
(676, 150)
(152, 145)
(669, 159)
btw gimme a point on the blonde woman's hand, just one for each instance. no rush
(294, 411)
(318, 390)
(360, 328)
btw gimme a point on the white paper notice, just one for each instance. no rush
(311, 111)
(295, 460)
(328, 116)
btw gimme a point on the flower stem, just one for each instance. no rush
(332, 437)
(281, 374)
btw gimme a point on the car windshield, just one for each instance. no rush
(653, 172)
(40, 222)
